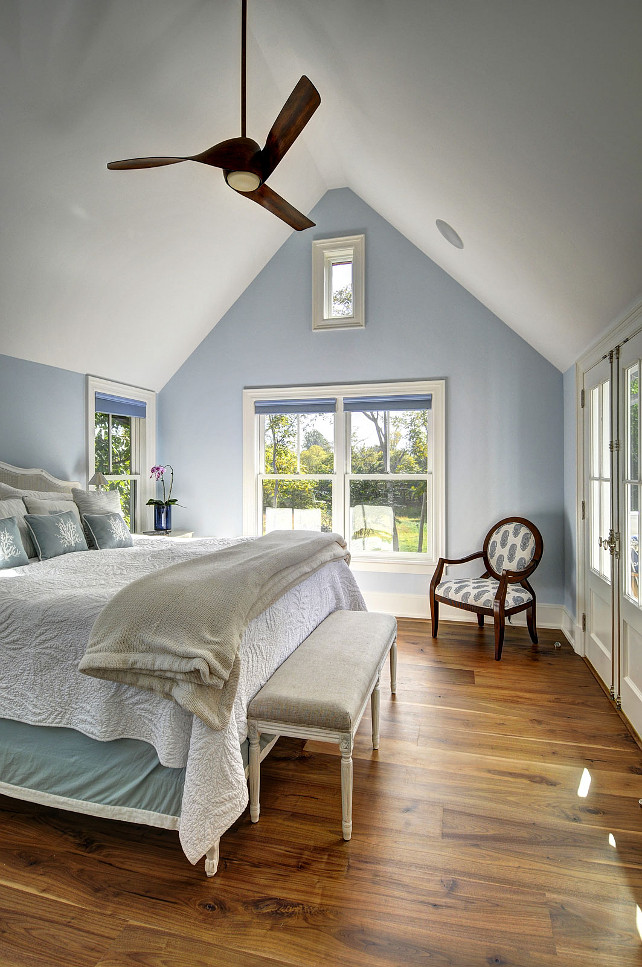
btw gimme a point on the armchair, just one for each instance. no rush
(512, 550)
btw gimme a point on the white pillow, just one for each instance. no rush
(38, 505)
(96, 502)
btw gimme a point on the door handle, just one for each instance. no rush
(611, 544)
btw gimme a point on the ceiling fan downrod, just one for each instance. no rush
(244, 179)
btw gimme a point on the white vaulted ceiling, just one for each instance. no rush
(517, 122)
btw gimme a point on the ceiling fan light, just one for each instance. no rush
(242, 180)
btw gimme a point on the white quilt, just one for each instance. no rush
(47, 610)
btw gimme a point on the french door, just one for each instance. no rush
(612, 493)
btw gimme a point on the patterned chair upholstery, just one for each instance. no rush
(512, 550)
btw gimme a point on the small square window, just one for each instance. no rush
(338, 283)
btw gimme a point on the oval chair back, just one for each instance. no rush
(513, 544)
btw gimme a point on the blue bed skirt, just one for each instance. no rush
(122, 774)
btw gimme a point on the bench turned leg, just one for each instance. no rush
(346, 785)
(255, 773)
(375, 702)
(211, 858)
(393, 667)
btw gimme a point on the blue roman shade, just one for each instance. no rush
(268, 407)
(120, 406)
(359, 404)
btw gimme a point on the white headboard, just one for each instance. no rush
(33, 479)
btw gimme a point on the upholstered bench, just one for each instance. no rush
(321, 692)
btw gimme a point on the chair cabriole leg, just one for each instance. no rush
(434, 614)
(530, 621)
(499, 635)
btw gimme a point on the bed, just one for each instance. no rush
(112, 750)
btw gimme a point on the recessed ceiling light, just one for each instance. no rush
(449, 233)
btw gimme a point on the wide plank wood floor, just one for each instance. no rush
(470, 846)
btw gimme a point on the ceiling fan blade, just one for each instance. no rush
(143, 163)
(236, 153)
(295, 114)
(278, 206)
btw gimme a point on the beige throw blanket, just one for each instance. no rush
(177, 632)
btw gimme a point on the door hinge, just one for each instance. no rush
(583, 622)
(582, 398)
(583, 510)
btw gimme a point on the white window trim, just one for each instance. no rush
(419, 564)
(146, 447)
(325, 252)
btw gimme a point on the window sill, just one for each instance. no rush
(404, 566)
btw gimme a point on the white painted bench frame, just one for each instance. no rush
(345, 740)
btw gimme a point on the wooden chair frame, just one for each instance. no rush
(499, 612)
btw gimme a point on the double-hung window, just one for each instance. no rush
(366, 461)
(120, 437)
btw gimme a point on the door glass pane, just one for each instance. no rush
(605, 524)
(389, 515)
(606, 432)
(297, 505)
(631, 544)
(595, 525)
(595, 431)
(633, 420)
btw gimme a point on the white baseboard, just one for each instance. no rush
(418, 606)
(573, 632)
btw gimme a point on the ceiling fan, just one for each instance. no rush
(246, 166)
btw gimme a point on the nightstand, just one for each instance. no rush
(173, 533)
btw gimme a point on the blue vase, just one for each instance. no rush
(163, 517)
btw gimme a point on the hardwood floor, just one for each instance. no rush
(470, 843)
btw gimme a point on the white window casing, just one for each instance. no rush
(143, 442)
(253, 466)
(326, 254)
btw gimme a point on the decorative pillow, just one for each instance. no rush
(55, 534)
(12, 553)
(7, 491)
(37, 505)
(16, 508)
(96, 502)
(107, 530)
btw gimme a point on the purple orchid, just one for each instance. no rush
(158, 473)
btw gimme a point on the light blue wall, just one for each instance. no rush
(570, 492)
(505, 413)
(42, 418)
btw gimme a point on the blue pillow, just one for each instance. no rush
(107, 530)
(12, 552)
(55, 534)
